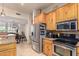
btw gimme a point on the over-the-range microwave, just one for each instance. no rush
(67, 26)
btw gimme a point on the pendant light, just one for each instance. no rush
(2, 11)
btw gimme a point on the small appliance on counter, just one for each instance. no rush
(51, 34)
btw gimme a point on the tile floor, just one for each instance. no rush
(24, 49)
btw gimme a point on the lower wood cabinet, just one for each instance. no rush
(8, 49)
(10, 52)
(48, 47)
(77, 51)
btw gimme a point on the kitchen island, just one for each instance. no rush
(7, 44)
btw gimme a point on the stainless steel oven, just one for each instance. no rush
(63, 50)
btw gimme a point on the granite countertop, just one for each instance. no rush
(11, 35)
(6, 41)
(9, 39)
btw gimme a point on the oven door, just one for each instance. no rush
(62, 51)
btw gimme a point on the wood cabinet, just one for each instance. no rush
(8, 49)
(77, 51)
(60, 14)
(51, 21)
(41, 18)
(48, 48)
(48, 21)
(70, 11)
(66, 12)
(10, 52)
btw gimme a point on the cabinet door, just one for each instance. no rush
(7, 46)
(70, 11)
(47, 47)
(10, 52)
(48, 21)
(51, 21)
(42, 18)
(59, 14)
(77, 51)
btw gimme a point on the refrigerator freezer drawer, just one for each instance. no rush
(36, 46)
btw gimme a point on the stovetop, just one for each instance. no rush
(70, 42)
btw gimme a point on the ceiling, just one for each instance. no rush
(26, 7)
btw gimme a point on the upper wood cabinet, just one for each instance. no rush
(60, 14)
(70, 11)
(66, 12)
(51, 21)
(40, 18)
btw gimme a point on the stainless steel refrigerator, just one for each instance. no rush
(38, 33)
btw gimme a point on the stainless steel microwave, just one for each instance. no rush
(66, 26)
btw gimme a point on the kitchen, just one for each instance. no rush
(52, 29)
(61, 34)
